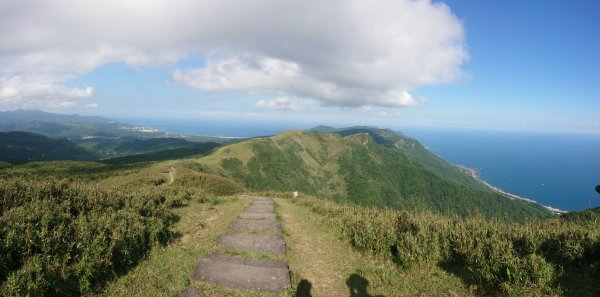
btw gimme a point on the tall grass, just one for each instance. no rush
(68, 237)
(510, 259)
(60, 238)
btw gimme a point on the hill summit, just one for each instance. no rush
(362, 165)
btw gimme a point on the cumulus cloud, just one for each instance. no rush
(31, 92)
(284, 103)
(340, 52)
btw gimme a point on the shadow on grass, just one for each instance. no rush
(303, 289)
(574, 281)
(461, 271)
(579, 281)
(358, 286)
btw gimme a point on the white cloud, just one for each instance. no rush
(284, 103)
(92, 105)
(339, 52)
(384, 114)
(32, 92)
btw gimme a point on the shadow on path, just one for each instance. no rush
(303, 289)
(358, 286)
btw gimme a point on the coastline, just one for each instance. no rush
(475, 174)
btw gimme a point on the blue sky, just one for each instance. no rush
(531, 63)
(508, 65)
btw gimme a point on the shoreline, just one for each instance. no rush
(475, 174)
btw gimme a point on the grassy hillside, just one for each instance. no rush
(411, 148)
(18, 147)
(544, 258)
(117, 147)
(167, 154)
(64, 239)
(150, 147)
(68, 228)
(357, 169)
(590, 215)
(78, 228)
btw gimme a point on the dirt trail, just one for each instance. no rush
(171, 175)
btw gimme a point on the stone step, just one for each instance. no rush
(243, 273)
(260, 202)
(261, 205)
(262, 199)
(257, 216)
(253, 242)
(255, 225)
(260, 208)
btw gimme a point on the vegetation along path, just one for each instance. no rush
(249, 260)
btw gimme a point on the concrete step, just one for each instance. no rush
(255, 225)
(257, 216)
(243, 273)
(253, 242)
(260, 208)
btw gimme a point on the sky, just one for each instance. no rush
(507, 65)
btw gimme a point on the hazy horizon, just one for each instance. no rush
(503, 65)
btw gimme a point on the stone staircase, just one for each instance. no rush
(255, 230)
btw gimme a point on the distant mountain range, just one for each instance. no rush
(80, 128)
(32, 135)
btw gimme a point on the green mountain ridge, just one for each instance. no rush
(393, 172)
(25, 146)
(108, 148)
(21, 147)
(412, 148)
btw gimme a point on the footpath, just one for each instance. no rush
(257, 231)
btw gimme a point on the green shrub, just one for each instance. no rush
(371, 231)
(62, 238)
(421, 238)
(510, 259)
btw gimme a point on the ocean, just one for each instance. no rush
(555, 169)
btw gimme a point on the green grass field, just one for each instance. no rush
(85, 228)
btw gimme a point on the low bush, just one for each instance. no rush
(511, 259)
(59, 238)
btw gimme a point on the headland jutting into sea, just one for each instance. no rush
(475, 174)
